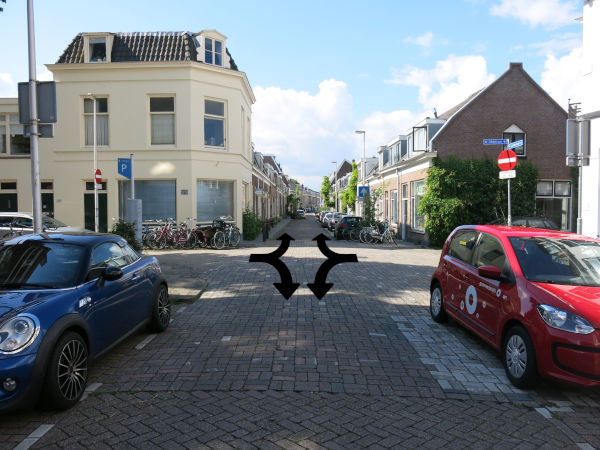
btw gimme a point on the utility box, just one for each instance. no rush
(133, 214)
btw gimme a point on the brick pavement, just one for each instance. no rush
(365, 367)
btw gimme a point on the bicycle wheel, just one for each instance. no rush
(218, 240)
(347, 235)
(235, 238)
(355, 235)
(390, 238)
(151, 240)
(191, 241)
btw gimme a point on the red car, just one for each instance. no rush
(533, 294)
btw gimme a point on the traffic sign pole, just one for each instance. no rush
(132, 178)
(507, 160)
(509, 215)
(96, 211)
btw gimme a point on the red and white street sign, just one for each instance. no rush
(98, 176)
(507, 160)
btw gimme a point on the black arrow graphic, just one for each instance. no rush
(287, 287)
(320, 287)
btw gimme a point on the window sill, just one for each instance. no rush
(9, 156)
(414, 230)
(215, 147)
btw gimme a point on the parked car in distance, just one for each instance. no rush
(300, 213)
(65, 299)
(321, 215)
(345, 223)
(532, 294)
(18, 223)
(325, 221)
(334, 219)
(530, 222)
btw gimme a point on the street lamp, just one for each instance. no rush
(335, 182)
(95, 168)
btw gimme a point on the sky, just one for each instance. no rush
(322, 69)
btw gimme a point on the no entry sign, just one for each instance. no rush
(98, 176)
(507, 160)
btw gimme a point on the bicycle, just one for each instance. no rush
(226, 235)
(375, 235)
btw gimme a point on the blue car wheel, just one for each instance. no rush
(67, 373)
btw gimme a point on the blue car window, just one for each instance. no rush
(39, 263)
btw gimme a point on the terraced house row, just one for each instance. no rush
(513, 107)
(175, 100)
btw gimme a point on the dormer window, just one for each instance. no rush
(213, 52)
(97, 49)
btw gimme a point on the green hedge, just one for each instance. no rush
(461, 192)
(251, 225)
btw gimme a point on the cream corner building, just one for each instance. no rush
(175, 100)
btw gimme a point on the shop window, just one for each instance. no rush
(214, 199)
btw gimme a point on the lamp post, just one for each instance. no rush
(364, 160)
(335, 182)
(95, 168)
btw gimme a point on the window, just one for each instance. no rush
(214, 199)
(107, 254)
(553, 201)
(462, 245)
(101, 121)
(489, 252)
(385, 207)
(419, 139)
(213, 52)
(417, 191)
(162, 120)
(8, 196)
(12, 136)
(97, 49)
(214, 123)
(394, 206)
(514, 134)
(158, 198)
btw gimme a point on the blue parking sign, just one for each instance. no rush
(124, 167)
(363, 191)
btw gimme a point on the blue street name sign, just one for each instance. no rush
(516, 144)
(363, 191)
(124, 167)
(495, 141)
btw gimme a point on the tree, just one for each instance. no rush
(326, 189)
(351, 190)
(461, 192)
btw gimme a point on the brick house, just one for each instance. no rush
(514, 107)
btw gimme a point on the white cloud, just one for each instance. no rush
(8, 88)
(306, 132)
(558, 44)
(562, 77)
(424, 41)
(382, 127)
(547, 13)
(451, 80)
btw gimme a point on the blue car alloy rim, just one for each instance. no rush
(72, 369)
(164, 307)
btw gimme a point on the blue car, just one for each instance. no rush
(64, 300)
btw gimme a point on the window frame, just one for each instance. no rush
(414, 205)
(216, 117)
(521, 153)
(85, 115)
(151, 114)
(213, 51)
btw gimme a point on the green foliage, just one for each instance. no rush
(127, 231)
(349, 195)
(251, 225)
(326, 190)
(369, 204)
(461, 192)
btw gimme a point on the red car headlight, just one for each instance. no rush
(564, 320)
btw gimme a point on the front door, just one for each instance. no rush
(88, 200)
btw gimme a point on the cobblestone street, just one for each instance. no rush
(364, 367)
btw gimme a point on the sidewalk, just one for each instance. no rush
(273, 233)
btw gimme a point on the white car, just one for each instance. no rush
(18, 223)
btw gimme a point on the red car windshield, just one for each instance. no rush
(558, 261)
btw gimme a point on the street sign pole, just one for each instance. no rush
(35, 155)
(509, 215)
(132, 178)
(96, 213)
